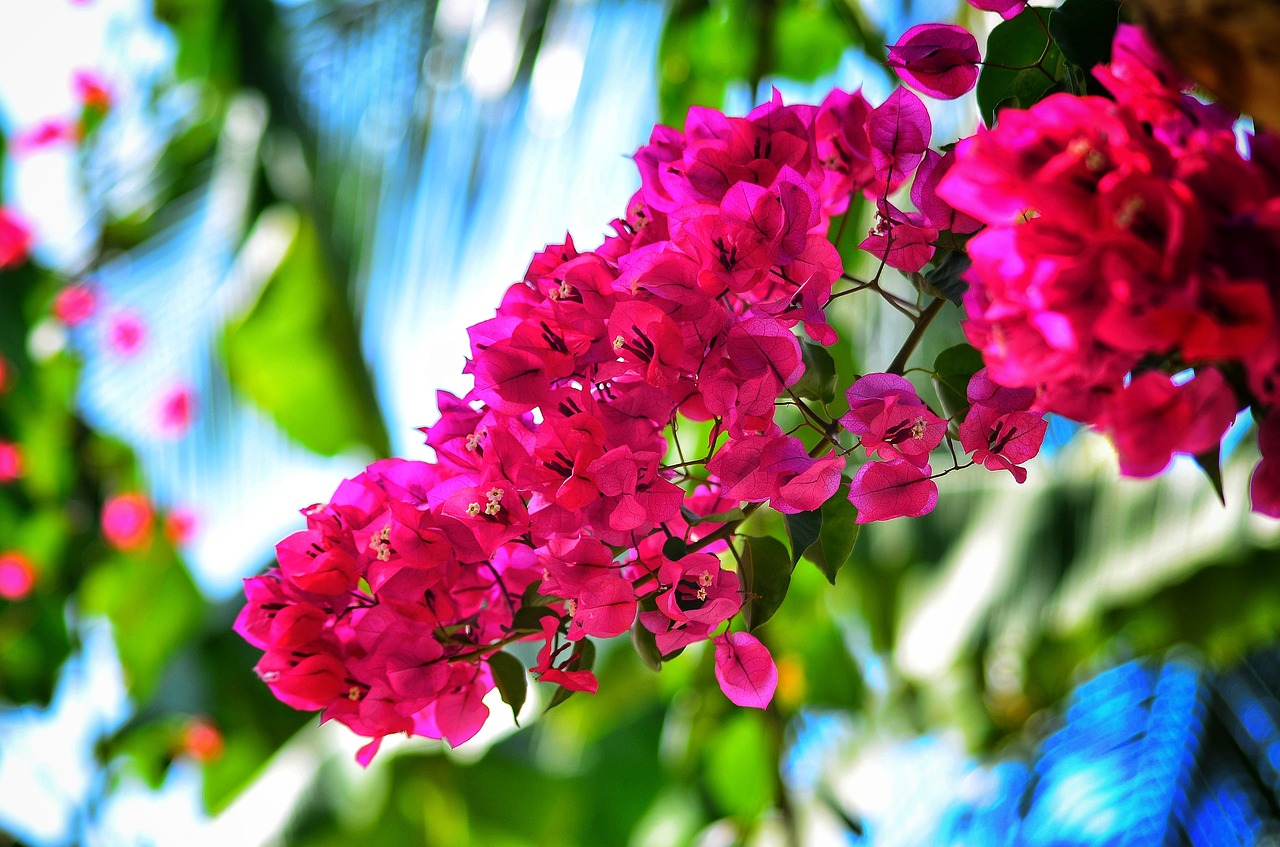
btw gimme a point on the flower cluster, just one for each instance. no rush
(553, 510)
(1127, 268)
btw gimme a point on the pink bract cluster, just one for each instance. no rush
(1127, 272)
(551, 512)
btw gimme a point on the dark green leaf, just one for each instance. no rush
(945, 280)
(839, 533)
(819, 379)
(1024, 64)
(646, 644)
(1210, 461)
(532, 595)
(529, 618)
(952, 371)
(766, 576)
(674, 548)
(1084, 30)
(296, 354)
(510, 678)
(803, 528)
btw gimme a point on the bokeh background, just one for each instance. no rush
(258, 231)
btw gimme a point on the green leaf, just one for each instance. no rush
(839, 533)
(674, 548)
(529, 618)
(296, 354)
(952, 371)
(510, 678)
(766, 574)
(803, 528)
(946, 279)
(153, 606)
(1210, 461)
(1017, 73)
(819, 379)
(646, 644)
(808, 40)
(739, 766)
(1084, 29)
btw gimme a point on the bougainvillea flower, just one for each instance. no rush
(127, 520)
(605, 608)
(126, 333)
(1002, 440)
(180, 526)
(899, 130)
(15, 239)
(46, 134)
(745, 670)
(1264, 486)
(177, 410)
(891, 420)
(75, 304)
(10, 462)
(940, 60)
(17, 575)
(1005, 8)
(882, 491)
(91, 90)
(1153, 417)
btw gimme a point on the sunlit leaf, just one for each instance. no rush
(766, 574)
(296, 354)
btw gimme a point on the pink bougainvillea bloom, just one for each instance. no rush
(940, 60)
(17, 576)
(91, 90)
(899, 130)
(1002, 440)
(1264, 487)
(606, 608)
(75, 304)
(177, 410)
(46, 134)
(10, 461)
(15, 240)
(1005, 8)
(897, 489)
(891, 419)
(180, 526)
(126, 333)
(126, 521)
(745, 670)
(1152, 418)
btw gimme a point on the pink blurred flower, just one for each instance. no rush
(177, 410)
(15, 240)
(92, 90)
(126, 333)
(180, 526)
(126, 521)
(75, 304)
(10, 462)
(47, 133)
(17, 576)
(6, 375)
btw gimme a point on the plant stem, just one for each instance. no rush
(899, 364)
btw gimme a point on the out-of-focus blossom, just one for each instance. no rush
(126, 521)
(126, 333)
(10, 462)
(75, 304)
(17, 576)
(180, 526)
(177, 410)
(15, 239)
